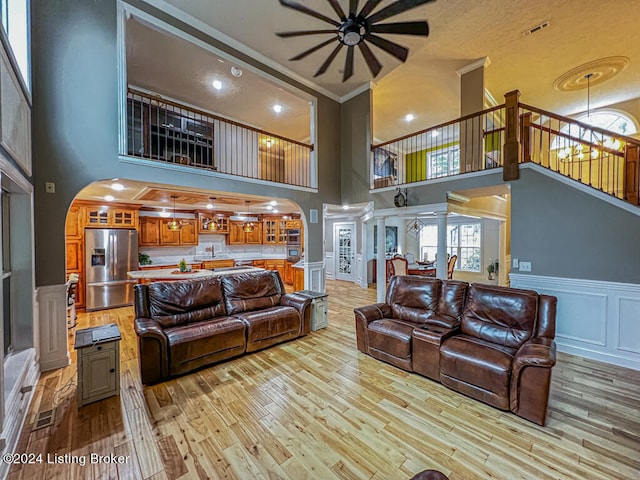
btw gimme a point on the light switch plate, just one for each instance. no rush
(514, 263)
(525, 266)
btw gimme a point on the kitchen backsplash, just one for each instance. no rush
(161, 255)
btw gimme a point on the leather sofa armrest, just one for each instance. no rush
(301, 304)
(369, 313)
(531, 379)
(153, 354)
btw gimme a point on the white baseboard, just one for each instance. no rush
(595, 319)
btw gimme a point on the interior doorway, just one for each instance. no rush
(344, 242)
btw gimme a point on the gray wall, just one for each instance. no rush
(75, 126)
(355, 120)
(568, 233)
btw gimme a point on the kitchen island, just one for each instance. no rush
(168, 274)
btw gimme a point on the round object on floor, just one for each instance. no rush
(430, 475)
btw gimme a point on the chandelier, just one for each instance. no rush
(211, 224)
(415, 226)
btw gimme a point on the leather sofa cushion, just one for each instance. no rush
(391, 337)
(270, 326)
(192, 346)
(178, 303)
(252, 291)
(451, 302)
(413, 298)
(500, 315)
(479, 363)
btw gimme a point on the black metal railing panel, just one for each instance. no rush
(165, 131)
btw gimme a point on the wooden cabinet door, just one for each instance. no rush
(189, 232)
(288, 273)
(270, 231)
(282, 232)
(97, 217)
(168, 237)
(123, 218)
(223, 224)
(74, 226)
(294, 224)
(236, 234)
(255, 237)
(75, 257)
(149, 232)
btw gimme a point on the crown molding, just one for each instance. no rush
(481, 62)
(236, 45)
(361, 89)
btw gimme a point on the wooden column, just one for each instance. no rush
(512, 151)
(631, 173)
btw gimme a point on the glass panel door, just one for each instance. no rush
(344, 248)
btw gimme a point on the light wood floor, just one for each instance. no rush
(315, 408)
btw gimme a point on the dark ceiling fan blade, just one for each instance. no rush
(353, 8)
(348, 65)
(313, 49)
(303, 32)
(338, 9)
(372, 62)
(301, 8)
(327, 62)
(395, 9)
(392, 48)
(368, 7)
(402, 28)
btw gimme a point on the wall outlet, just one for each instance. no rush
(514, 263)
(525, 266)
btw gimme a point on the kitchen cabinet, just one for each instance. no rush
(101, 216)
(211, 264)
(237, 236)
(74, 226)
(258, 263)
(298, 279)
(288, 273)
(293, 224)
(153, 232)
(75, 257)
(222, 220)
(276, 265)
(274, 231)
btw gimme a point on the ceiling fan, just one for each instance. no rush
(358, 29)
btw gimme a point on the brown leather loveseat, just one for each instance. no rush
(494, 344)
(185, 325)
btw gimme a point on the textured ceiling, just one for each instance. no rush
(462, 31)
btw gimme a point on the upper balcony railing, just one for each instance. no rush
(165, 131)
(594, 156)
(468, 144)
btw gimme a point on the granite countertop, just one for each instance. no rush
(168, 273)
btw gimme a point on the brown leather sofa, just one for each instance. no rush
(494, 344)
(185, 325)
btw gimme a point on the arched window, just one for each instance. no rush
(612, 120)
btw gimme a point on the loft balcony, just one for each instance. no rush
(167, 132)
(507, 135)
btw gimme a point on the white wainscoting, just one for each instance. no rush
(330, 264)
(52, 325)
(314, 277)
(595, 319)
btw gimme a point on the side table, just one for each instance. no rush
(98, 351)
(319, 305)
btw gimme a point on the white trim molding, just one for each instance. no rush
(52, 322)
(314, 276)
(595, 319)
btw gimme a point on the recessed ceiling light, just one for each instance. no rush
(236, 72)
(109, 198)
(409, 117)
(118, 187)
(275, 210)
(273, 203)
(269, 207)
(277, 108)
(217, 84)
(209, 206)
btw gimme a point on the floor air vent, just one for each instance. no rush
(44, 419)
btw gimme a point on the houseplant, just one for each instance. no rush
(182, 266)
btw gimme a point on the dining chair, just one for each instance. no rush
(411, 259)
(399, 266)
(451, 266)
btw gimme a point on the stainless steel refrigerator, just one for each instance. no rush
(110, 254)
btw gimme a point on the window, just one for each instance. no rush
(442, 163)
(463, 240)
(15, 21)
